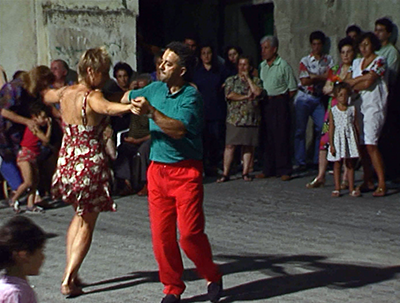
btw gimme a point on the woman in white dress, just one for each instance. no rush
(367, 78)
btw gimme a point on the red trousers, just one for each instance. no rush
(176, 200)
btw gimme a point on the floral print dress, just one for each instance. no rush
(82, 175)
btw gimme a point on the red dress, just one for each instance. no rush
(82, 175)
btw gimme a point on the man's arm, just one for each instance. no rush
(173, 128)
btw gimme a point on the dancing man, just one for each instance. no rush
(175, 109)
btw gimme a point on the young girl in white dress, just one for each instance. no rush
(343, 138)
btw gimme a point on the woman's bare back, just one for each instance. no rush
(71, 106)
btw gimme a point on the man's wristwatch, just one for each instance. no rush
(150, 114)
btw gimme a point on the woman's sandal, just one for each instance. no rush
(35, 209)
(355, 193)
(247, 178)
(344, 184)
(15, 206)
(380, 192)
(223, 179)
(315, 183)
(335, 193)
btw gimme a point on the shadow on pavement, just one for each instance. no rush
(323, 274)
(320, 273)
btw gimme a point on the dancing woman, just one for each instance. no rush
(82, 176)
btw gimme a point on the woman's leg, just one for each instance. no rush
(322, 165)
(79, 238)
(247, 152)
(366, 164)
(228, 158)
(377, 163)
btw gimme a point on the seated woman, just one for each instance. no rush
(242, 93)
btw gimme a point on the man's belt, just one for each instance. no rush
(308, 92)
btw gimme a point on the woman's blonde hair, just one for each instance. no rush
(37, 79)
(96, 58)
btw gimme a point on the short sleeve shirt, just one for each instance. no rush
(310, 65)
(278, 78)
(16, 290)
(185, 105)
(392, 56)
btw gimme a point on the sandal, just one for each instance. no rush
(35, 209)
(223, 179)
(335, 193)
(355, 193)
(315, 183)
(380, 192)
(344, 184)
(247, 178)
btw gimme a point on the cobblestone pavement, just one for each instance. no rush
(275, 241)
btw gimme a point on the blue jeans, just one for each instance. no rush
(305, 106)
(11, 174)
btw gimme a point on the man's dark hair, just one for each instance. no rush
(387, 23)
(346, 41)
(186, 57)
(317, 35)
(376, 44)
(64, 64)
(124, 66)
(353, 28)
(19, 234)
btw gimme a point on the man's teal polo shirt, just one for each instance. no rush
(186, 105)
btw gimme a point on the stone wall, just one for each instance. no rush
(37, 32)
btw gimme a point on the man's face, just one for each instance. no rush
(353, 35)
(58, 70)
(381, 32)
(170, 69)
(316, 46)
(267, 52)
(191, 43)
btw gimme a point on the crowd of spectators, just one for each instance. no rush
(261, 108)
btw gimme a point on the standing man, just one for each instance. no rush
(313, 74)
(280, 84)
(390, 148)
(174, 177)
(383, 30)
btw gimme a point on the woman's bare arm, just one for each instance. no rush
(101, 106)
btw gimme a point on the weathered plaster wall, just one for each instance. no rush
(38, 31)
(296, 19)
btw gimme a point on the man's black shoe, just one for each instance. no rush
(171, 299)
(214, 291)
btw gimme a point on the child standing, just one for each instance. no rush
(21, 255)
(28, 154)
(343, 138)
